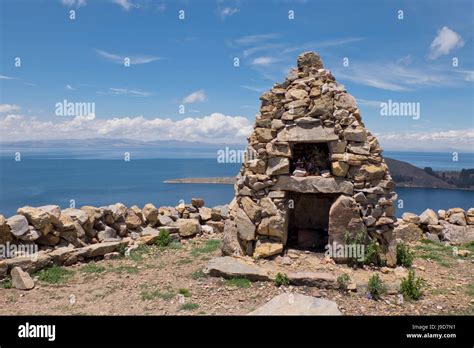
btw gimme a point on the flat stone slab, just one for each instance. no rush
(313, 184)
(317, 279)
(297, 304)
(232, 267)
(307, 133)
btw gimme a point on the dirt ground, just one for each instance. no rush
(169, 280)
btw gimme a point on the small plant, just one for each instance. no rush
(376, 287)
(151, 295)
(185, 292)
(372, 253)
(343, 281)
(125, 269)
(54, 274)
(92, 268)
(208, 247)
(6, 284)
(164, 239)
(189, 306)
(411, 286)
(239, 282)
(198, 274)
(404, 255)
(121, 249)
(281, 279)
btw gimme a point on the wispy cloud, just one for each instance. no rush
(127, 5)
(3, 77)
(254, 39)
(214, 128)
(398, 77)
(70, 88)
(195, 97)
(132, 92)
(263, 61)
(252, 88)
(74, 3)
(369, 103)
(445, 41)
(456, 139)
(4, 108)
(227, 12)
(134, 59)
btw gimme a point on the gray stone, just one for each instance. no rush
(18, 225)
(245, 226)
(21, 280)
(230, 241)
(317, 279)
(307, 134)
(313, 184)
(410, 217)
(297, 304)
(456, 234)
(188, 227)
(109, 232)
(278, 165)
(232, 267)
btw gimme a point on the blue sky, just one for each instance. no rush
(190, 62)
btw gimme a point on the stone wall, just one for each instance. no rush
(70, 235)
(310, 107)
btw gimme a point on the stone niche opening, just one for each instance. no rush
(308, 221)
(309, 159)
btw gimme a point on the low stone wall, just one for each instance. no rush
(66, 236)
(454, 226)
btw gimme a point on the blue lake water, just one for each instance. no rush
(33, 181)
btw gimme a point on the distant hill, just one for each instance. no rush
(407, 175)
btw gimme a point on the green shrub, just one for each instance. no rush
(371, 249)
(411, 286)
(92, 267)
(281, 279)
(54, 274)
(343, 281)
(198, 274)
(239, 282)
(189, 306)
(376, 287)
(372, 253)
(164, 239)
(185, 292)
(404, 255)
(6, 284)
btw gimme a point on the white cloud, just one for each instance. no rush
(3, 77)
(445, 42)
(369, 103)
(134, 59)
(70, 88)
(213, 128)
(195, 97)
(457, 139)
(133, 92)
(253, 39)
(127, 5)
(227, 12)
(74, 3)
(253, 88)
(397, 76)
(8, 108)
(263, 61)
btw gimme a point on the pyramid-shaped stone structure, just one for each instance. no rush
(314, 175)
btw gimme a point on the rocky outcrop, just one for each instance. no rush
(307, 109)
(454, 226)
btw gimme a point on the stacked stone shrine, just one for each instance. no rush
(317, 176)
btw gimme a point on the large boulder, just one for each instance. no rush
(456, 234)
(36, 217)
(408, 232)
(151, 213)
(245, 226)
(230, 241)
(132, 220)
(267, 249)
(429, 217)
(410, 217)
(188, 227)
(5, 235)
(20, 229)
(297, 304)
(343, 217)
(232, 267)
(76, 215)
(21, 280)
